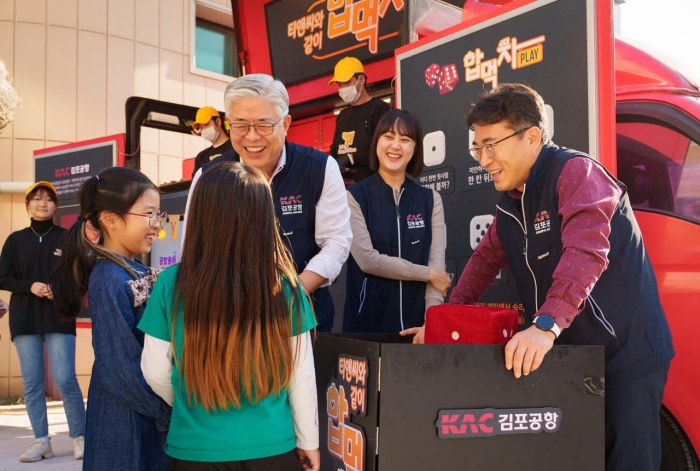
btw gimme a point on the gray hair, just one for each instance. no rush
(259, 86)
(9, 99)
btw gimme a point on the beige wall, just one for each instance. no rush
(74, 63)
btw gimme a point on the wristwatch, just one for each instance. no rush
(546, 322)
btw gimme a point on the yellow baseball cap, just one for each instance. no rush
(345, 69)
(43, 184)
(204, 115)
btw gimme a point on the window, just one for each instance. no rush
(214, 48)
(660, 166)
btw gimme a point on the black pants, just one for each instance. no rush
(285, 462)
(632, 428)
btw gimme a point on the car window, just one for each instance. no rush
(660, 167)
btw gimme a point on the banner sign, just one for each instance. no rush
(347, 395)
(68, 169)
(308, 37)
(468, 423)
(548, 45)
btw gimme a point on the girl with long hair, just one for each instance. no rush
(396, 270)
(119, 218)
(27, 258)
(228, 336)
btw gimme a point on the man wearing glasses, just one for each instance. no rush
(565, 228)
(308, 190)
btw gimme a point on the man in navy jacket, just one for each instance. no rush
(308, 190)
(565, 228)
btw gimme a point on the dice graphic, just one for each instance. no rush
(432, 74)
(448, 78)
(478, 227)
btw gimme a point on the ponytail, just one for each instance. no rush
(116, 190)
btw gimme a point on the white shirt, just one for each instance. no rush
(332, 230)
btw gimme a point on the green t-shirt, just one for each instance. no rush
(255, 431)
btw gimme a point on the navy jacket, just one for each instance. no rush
(381, 305)
(296, 189)
(623, 311)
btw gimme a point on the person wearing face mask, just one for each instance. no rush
(356, 123)
(208, 124)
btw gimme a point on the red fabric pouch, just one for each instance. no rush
(468, 324)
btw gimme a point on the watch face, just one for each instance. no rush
(545, 322)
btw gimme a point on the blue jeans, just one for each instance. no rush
(61, 349)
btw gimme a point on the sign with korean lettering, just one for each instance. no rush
(308, 37)
(548, 45)
(347, 395)
(166, 248)
(67, 169)
(468, 423)
(441, 180)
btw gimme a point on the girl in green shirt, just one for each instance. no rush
(228, 336)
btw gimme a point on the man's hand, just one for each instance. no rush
(4, 307)
(440, 280)
(418, 332)
(526, 350)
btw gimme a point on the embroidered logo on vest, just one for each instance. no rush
(542, 222)
(291, 205)
(415, 221)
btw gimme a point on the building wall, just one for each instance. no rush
(74, 63)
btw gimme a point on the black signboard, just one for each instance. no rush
(548, 45)
(67, 168)
(386, 405)
(308, 37)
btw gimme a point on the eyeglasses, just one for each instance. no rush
(487, 149)
(155, 218)
(242, 129)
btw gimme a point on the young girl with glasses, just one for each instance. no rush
(227, 336)
(119, 218)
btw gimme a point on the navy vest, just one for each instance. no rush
(381, 305)
(296, 189)
(623, 312)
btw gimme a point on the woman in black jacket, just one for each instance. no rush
(25, 262)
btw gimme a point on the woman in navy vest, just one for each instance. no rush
(396, 267)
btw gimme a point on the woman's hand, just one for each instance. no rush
(417, 332)
(310, 459)
(440, 280)
(4, 307)
(41, 290)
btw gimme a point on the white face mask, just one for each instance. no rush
(210, 133)
(349, 94)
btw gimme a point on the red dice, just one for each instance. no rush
(432, 75)
(448, 79)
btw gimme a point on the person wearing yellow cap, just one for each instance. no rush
(26, 260)
(355, 125)
(209, 125)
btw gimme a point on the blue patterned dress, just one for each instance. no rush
(126, 421)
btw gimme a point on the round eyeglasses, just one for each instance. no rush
(155, 218)
(242, 129)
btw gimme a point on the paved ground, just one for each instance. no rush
(16, 436)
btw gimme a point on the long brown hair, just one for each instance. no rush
(237, 319)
